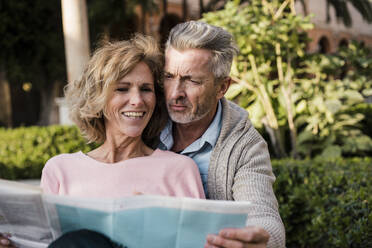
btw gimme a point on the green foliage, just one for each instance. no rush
(287, 91)
(357, 68)
(366, 110)
(340, 8)
(334, 85)
(325, 203)
(24, 151)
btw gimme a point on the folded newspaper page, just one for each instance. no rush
(23, 216)
(34, 219)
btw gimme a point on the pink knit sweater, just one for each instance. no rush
(161, 173)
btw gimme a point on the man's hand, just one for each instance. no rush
(5, 242)
(248, 237)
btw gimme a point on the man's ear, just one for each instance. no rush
(223, 86)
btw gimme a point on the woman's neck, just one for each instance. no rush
(116, 149)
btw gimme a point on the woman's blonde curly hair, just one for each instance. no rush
(87, 97)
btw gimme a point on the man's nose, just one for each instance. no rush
(177, 89)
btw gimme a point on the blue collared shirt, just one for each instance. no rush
(201, 149)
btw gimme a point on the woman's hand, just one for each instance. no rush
(5, 242)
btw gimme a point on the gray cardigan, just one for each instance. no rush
(240, 170)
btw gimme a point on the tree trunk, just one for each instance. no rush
(286, 89)
(143, 23)
(76, 36)
(305, 7)
(272, 137)
(5, 101)
(184, 10)
(77, 49)
(48, 106)
(165, 6)
(201, 8)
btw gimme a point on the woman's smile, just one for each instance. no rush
(134, 114)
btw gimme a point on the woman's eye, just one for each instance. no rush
(122, 89)
(147, 89)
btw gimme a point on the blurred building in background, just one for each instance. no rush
(328, 36)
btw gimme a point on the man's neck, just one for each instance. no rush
(185, 134)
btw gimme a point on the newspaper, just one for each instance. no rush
(35, 219)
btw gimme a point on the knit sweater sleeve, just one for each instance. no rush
(253, 182)
(49, 182)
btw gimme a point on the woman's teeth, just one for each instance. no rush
(134, 114)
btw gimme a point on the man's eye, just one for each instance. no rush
(195, 81)
(168, 76)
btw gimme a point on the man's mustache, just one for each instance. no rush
(180, 101)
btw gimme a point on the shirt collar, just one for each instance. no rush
(210, 136)
(166, 137)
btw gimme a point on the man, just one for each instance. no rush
(232, 157)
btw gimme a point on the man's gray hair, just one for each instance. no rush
(196, 34)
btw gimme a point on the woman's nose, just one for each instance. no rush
(136, 98)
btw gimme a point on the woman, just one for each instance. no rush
(118, 101)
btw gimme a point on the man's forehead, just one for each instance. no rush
(187, 59)
(187, 53)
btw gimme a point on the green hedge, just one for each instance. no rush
(325, 203)
(322, 203)
(24, 151)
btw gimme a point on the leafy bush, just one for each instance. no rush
(332, 91)
(24, 151)
(325, 203)
(366, 110)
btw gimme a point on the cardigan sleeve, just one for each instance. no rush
(253, 182)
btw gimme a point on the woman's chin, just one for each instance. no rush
(133, 133)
